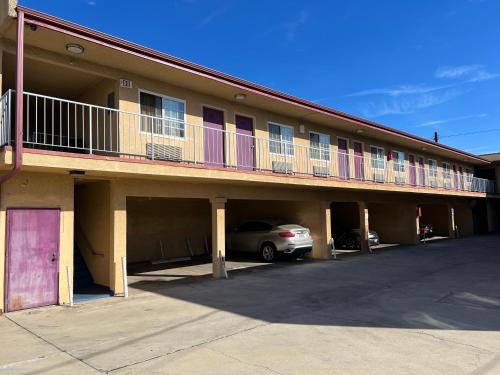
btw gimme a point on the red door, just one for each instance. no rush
(245, 143)
(32, 258)
(213, 123)
(358, 161)
(413, 175)
(343, 158)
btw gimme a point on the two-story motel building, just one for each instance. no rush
(116, 148)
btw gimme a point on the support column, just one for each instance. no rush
(218, 235)
(322, 247)
(418, 214)
(118, 237)
(364, 225)
(451, 221)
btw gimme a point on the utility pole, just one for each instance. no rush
(436, 138)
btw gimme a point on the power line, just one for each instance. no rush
(471, 133)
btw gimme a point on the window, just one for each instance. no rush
(398, 158)
(280, 139)
(447, 175)
(433, 171)
(319, 146)
(377, 157)
(162, 115)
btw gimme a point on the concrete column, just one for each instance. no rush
(218, 235)
(417, 221)
(364, 225)
(451, 221)
(322, 248)
(118, 237)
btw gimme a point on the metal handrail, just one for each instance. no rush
(62, 124)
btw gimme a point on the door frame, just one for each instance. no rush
(254, 127)
(362, 158)
(224, 132)
(415, 169)
(7, 251)
(348, 155)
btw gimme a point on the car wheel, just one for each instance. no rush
(268, 252)
(350, 243)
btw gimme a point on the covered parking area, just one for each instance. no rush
(166, 231)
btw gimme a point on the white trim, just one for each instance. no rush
(329, 146)
(162, 96)
(271, 140)
(384, 157)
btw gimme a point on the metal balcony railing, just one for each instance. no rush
(64, 125)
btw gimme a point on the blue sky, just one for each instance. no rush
(419, 66)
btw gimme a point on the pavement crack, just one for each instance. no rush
(245, 363)
(61, 350)
(443, 339)
(197, 345)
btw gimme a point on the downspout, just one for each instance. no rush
(18, 161)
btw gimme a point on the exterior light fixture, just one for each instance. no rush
(424, 148)
(360, 131)
(240, 96)
(76, 173)
(74, 48)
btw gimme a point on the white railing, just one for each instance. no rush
(65, 125)
(5, 118)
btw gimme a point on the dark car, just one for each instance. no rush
(351, 239)
(425, 231)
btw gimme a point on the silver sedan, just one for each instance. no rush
(269, 238)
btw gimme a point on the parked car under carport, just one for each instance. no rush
(270, 238)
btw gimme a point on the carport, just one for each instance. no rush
(438, 216)
(309, 214)
(395, 222)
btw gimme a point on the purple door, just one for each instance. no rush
(245, 143)
(32, 258)
(213, 123)
(461, 172)
(421, 171)
(343, 158)
(358, 161)
(455, 177)
(413, 175)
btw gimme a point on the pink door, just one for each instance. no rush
(32, 258)
(213, 123)
(421, 171)
(343, 158)
(245, 143)
(412, 172)
(461, 172)
(455, 177)
(358, 161)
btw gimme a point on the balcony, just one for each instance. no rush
(68, 126)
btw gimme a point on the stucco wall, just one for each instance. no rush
(36, 190)
(135, 142)
(438, 216)
(92, 226)
(395, 223)
(177, 223)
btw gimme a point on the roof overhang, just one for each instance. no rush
(260, 94)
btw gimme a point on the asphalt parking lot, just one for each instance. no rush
(426, 309)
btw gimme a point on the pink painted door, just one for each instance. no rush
(343, 158)
(213, 123)
(455, 177)
(461, 172)
(421, 171)
(32, 258)
(358, 161)
(412, 172)
(245, 142)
